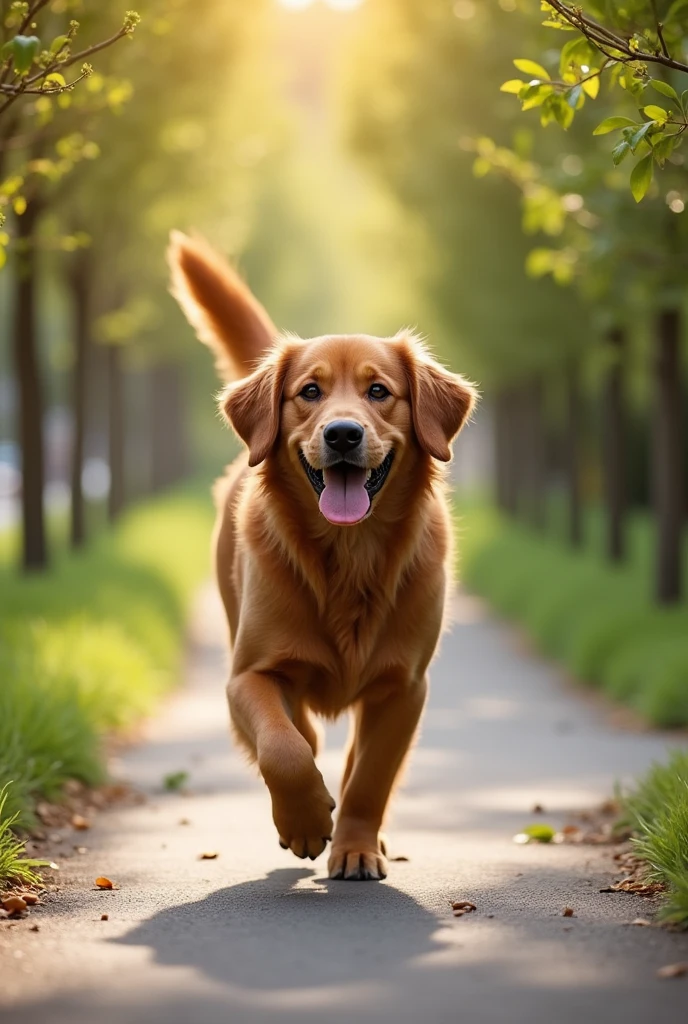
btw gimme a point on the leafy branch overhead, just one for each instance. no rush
(615, 46)
(35, 85)
(28, 67)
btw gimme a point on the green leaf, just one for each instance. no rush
(592, 87)
(574, 97)
(175, 781)
(6, 49)
(656, 113)
(666, 90)
(611, 124)
(24, 49)
(529, 67)
(664, 148)
(514, 85)
(540, 833)
(637, 137)
(563, 113)
(55, 81)
(58, 43)
(620, 152)
(641, 177)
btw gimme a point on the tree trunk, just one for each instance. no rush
(170, 447)
(501, 451)
(614, 446)
(668, 458)
(116, 437)
(30, 405)
(535, 452)
(572, 454)
(79, 280)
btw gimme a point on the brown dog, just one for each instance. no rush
(333, 550)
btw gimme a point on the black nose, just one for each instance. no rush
(343, 435)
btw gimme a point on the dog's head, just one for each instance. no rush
(343, 414)
(348, 410)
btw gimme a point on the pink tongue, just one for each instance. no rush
(345, 499)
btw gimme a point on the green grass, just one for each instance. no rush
(89, 647)
(597, 619)
(657, 811)
(14, 866)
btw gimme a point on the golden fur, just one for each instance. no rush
(325, 618)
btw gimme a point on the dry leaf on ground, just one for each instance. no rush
(13, 904)
(80, 823)
(673, 970)
(30, 898)
(636, 888)
(567, 912)
(104, 883)
(461, 907)
(208, 855)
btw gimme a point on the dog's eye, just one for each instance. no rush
(378, 392)
(311, 392)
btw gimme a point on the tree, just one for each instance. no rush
(616, 45)
(29, 70)
(643, 251)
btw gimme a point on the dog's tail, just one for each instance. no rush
(220, 307)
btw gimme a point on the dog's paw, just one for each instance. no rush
(303, 818)
(357, 865)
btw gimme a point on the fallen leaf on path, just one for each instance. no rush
(104, 917)
(673, 970)
(397, 859)
(13, 904)
(174, 781)
(208, 855)
(34, 928)
(567, 912)
(636, 888)
(535, 834)
(30, 898)
(641, 922)
(461, 907)
(104, 883)
(80, 823)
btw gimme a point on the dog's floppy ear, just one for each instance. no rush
(441, 401)
(252, 406)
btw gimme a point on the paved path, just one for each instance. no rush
(256, 936)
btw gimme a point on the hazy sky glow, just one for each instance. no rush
(337, 5)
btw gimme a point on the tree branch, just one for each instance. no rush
(602, 37)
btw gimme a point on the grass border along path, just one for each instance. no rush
(596, 619)
(89, 647)
(657, 811)
(599, 621)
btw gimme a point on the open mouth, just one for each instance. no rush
(345, 491)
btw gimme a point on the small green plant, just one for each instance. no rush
(175, 781)
(14, 866)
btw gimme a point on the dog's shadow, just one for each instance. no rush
(270, 934)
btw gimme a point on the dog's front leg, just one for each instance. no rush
(384, 731)
(301, 805)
